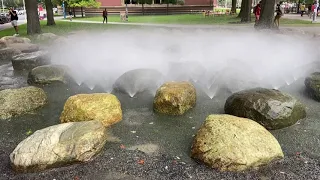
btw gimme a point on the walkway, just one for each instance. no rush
(298, 17)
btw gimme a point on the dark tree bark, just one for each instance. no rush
(81, 11)
(267, 14)
(234, 7)
(246, 14)
(33, 23)
(167, 7)
(142, 8)
(50, 16)
(74, 12)
(242, 8)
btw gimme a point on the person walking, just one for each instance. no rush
(14, 20)
(105, 15)
(302, 9)
(257, 12)
(70, 14)
(278, 16)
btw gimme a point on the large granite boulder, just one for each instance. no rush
(139, 80)
(175, 98)
(271, 108)
(312, 84)
(59, 145)
(230, 143)
(24, 47)
(47, 36)
(48, 74)
(28, 61)
(6, 54)
(3, 44)
(13, 39)
(14, 102)
(85, 107)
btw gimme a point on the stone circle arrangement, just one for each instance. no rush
(238, 140)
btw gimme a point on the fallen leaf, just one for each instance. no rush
(141, 161)
(122, 146)
(76, 178)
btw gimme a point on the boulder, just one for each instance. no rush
(312, 83)
(47, 36)
(12, 39)
(14, 102)
(271, 108)
(59, 145)
(230, 143)
(28, 61)
(103, 107)
(3, 44)
(139, 80)
(6, 54)
(175, 98)
(48, 74)
(24, 47)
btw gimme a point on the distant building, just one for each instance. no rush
(106, 3)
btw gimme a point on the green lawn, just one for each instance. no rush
(184, 19)
(61, 28)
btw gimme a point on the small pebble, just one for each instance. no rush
(177, 157)
(193, 127)
(166, 167)
(133, 132)
(151, 123)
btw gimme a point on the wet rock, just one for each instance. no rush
(24, 47)
(85, 107)
(139, 80)
(48, 74)
(3, 44)
(230, 143)
(47, 36)
(175, 98)
(312, 83)
(12, 39)
(14, 102)
(6, 54)
(271, 108)
(28, 61)
(59, 145)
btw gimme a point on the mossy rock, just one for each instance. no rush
(271, 108)
(312, 84)
(230, 143)
(103, 107)
(175, 98)
(48, 74)
(14, 102)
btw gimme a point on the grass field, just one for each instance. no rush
(184, 19)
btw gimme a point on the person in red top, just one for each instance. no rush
(257, 12)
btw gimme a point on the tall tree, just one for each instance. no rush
(13, 3)
(143, 2)
(82, 4)
(267, 14)
(50, 16)
(33, 23)
(242, 8)
(246, 14)
(234, 7)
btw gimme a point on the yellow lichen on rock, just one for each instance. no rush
(175, 98)
(103, 107)
(230, 143)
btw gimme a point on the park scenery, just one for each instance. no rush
(159, 89)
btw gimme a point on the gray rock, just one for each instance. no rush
(47, 36)
(14, 102)
(48, 74)
(6, 54)
(28, 61)
(271, 108)
(59, 145)
(3, 44)
(24, 47)
(12, 39)
(312, 84)
(139, 80)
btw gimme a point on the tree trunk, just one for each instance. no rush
(33, 23)
(81, 12)
(234, 7)
(74, 12)
(142, 8)
(267, 14)
(242, 8)
(246, 14)
(50, 16)
(167, 7)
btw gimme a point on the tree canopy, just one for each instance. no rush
(83, 3)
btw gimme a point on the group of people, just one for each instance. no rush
(276, 21)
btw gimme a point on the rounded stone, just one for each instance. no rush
(48, 74)
(28, 61)
(312, 83)
(230, 143)
(271, 108)
(175, 98)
